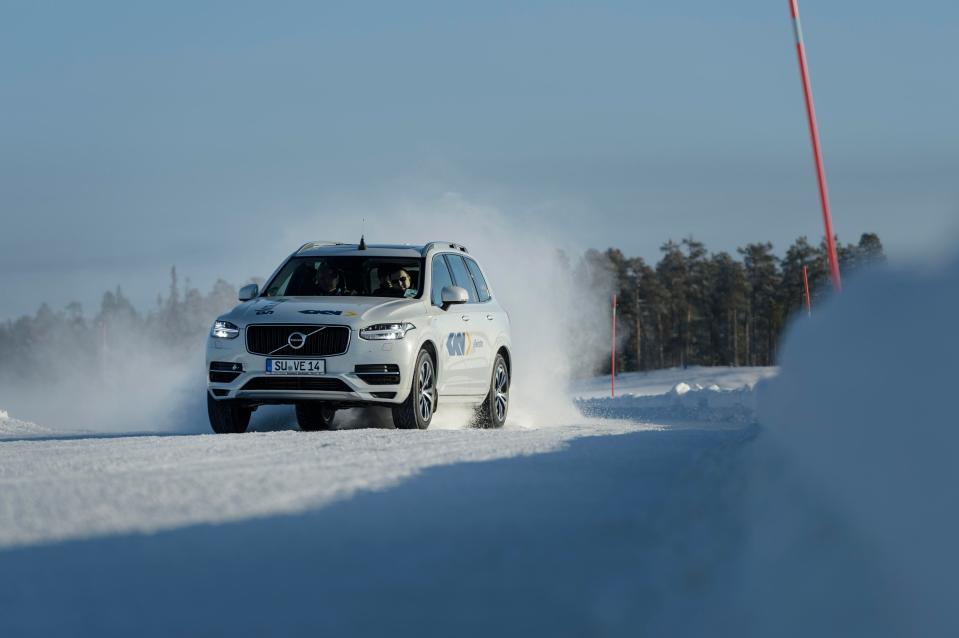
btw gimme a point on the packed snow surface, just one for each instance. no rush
(126, 533)
(76, 488)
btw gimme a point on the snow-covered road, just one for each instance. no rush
(619, 527)
(66, 486)
(537, 535)
(56, 489)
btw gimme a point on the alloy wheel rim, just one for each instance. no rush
(501, 392)
(425, 387)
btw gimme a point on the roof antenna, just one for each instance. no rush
(362, 245)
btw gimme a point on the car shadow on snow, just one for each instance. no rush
(271, 418)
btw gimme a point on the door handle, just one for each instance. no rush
(490, 317)
(465, 317)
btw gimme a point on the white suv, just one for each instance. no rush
(349, 325)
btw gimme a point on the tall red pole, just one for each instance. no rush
(612, 378)
(805, 285)
(816, 149)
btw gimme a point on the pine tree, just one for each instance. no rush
(762, 272)
(729, 299)
(671, 271)
(699, 317)
(870, 250)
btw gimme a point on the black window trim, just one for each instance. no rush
(446, 258)
(449, 271)
(467, 260)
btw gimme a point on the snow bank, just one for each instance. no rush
(865, 404)
(682, 403)
(704, 395)
(663, 381)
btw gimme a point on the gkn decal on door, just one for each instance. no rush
(459, 344)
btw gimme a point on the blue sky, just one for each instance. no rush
(134, 136)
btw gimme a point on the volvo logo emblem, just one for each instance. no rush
(296, 340)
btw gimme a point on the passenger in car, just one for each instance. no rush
(400, 279)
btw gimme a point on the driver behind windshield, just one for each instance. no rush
(328, 281)
(385, 289)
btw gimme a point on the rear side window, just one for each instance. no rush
(481, 288)
(461, 276)
(441, 278)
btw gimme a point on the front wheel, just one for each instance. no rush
(492, 414)
(417, 410)
(227, 417)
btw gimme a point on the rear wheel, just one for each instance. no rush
(314, 416)
(227, 417)
(417, 410)
(492, 414)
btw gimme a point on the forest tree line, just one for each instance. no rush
(691, 307)
(42, 344)
(699, 308)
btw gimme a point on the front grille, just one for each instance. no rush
(379, 374)
(319, 384)
(320, 341)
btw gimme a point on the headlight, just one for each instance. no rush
(224, 330)
(386, 331)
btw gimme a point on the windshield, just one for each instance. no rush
(348, 276)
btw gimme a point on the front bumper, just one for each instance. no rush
(341, 383)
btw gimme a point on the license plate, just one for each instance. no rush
(295, 366)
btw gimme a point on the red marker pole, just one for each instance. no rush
(817, 152)
(612, 378)
(805, 285)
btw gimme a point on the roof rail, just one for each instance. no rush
(445, 244)
(317, 244)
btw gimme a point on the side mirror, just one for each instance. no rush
(249, 292)
(452, 295)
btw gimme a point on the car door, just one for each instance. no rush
(475, 342)
(453, 376)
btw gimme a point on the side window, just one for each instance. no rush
(441, 278)
(461, 276)
(481, 288)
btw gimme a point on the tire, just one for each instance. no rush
(417, 411)
(492, 414)
(227, 417)
(313, 417)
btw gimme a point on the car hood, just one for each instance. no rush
(352, 311)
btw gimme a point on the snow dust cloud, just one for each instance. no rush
(133, 383)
